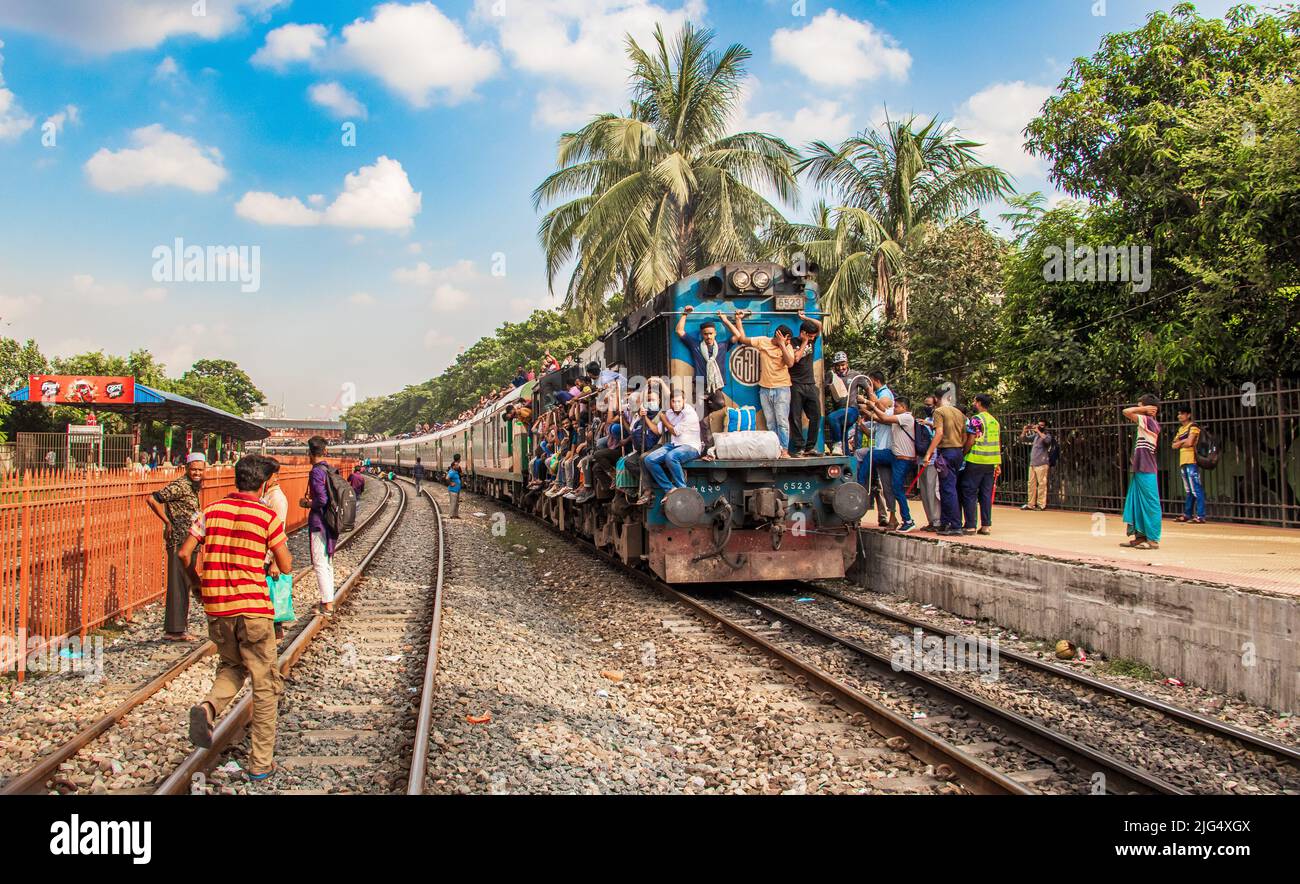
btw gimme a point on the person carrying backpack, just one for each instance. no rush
(418, 474)
(1040, 462)
(1185, 442)
(322, 539)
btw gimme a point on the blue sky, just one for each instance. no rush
(126, 124)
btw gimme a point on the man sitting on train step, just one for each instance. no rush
(665, 464)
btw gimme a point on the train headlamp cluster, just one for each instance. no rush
(750, 280)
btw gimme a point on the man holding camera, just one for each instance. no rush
(1040, 463)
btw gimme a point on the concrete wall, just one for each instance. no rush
(1200, 633)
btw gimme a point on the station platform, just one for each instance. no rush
(1247, 556)
(1217, 604)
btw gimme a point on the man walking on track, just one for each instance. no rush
(418, 473)
(237, 532)
(321, 539)
(176, 503)
(453, 485)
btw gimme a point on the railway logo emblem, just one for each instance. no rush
(744, 365)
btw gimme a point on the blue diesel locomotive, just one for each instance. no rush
(737, 520)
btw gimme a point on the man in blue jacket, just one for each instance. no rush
(453, 485)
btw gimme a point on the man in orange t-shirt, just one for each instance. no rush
(237, 532)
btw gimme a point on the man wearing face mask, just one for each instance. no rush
(682, 424)
(644, 435)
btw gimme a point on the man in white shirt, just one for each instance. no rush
(664, 464)
(902, 448)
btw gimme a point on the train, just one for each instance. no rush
(737, 520)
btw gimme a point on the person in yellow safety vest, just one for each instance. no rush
(983, 466)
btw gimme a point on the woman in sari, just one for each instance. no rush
(1142, 505)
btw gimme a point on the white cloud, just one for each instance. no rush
(159, 159)
(341, 103)
(87, 289)
(16, 307)
(841, 51)
(816, 120)
(414, 248)
(166, 69)
(13, 120)
(418, 52)
(362, 299)
(997, 116)
(279, 211)
(446, 285)
(579, 49)
(415, 50)
(289, 44)
(378, 196)
(70, 114)
(104, 26)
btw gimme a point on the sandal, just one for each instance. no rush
(1182, 519)
(263, 777)
(1147, 544)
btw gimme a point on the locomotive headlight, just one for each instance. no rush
(762, 279)
(740, 280)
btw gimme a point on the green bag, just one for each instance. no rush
(281, 589)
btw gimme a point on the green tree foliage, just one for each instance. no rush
(1183, 135)
(216, 382)
(890, 187)
(663, 191)
(956, 293)
(221, 384)
(486, 366)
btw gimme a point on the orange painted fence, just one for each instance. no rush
(79, 548)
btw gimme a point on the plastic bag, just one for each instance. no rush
(281, 589)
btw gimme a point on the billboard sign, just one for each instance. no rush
(63, 389)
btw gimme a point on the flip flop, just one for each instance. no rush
(263, 777)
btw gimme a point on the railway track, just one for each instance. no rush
(36, 779)
(346, 721)
(1179, 750)
(983, 745)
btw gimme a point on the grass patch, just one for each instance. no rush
(1130, 668)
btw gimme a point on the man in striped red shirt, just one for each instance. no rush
(237, 532)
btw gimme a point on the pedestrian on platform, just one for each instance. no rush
(903, 450)
(1142, 504)
(241, 531)
(453, 485)
(983, 465)
(321, 539)
(418, 474)
(176, 503)
(357, 480)
(949, 444)
(1185, 444)
(1040, 462)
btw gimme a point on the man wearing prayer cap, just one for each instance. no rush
(176, 503)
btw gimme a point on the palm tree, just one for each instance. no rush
(1025, 211)
(658, 193)
(892, 185)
